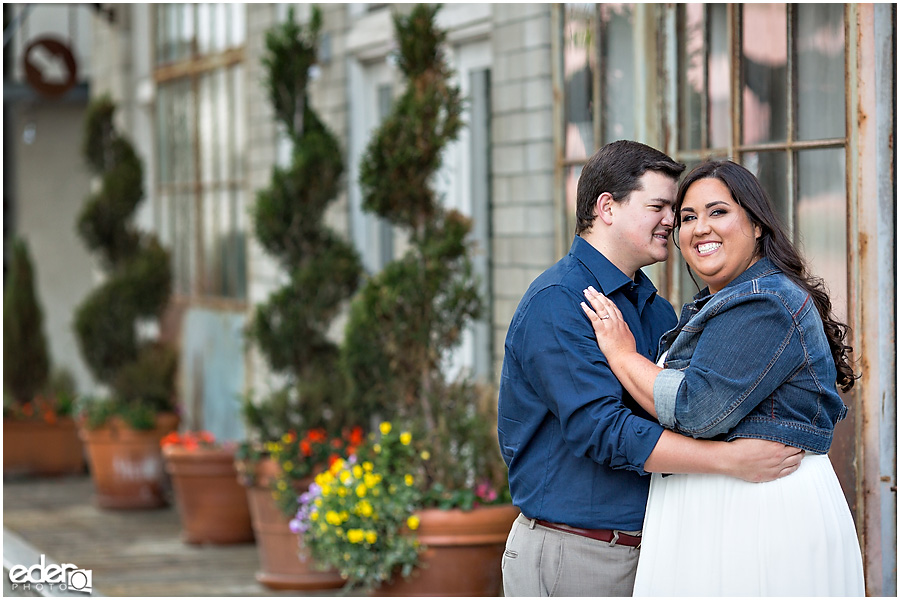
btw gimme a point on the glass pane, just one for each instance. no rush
(204, 29)
(208, 129)
(235, 272)
(237, 35)
(764, 73)
(572, 175)
(237, 121)
(617, 50)
(719, 81)
(771, 170)
(691, 75)
(820, 71)
(579, 66)
(822, 220)
(212, 253)
(183, 246)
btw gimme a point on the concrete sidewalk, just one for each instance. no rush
(129, 552)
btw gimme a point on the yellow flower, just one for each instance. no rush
(346, 557)
(355, 536)
(364, 508)
(323, 527)
(368, 466)
(371, 537)
(371, 480)
(357, 471)
(342, 492)
(318, 502)
(314, 516)
(282, 485)
(405, 438)
(344, 516)
(344, 476)
(413, 522)
(333, 517)
(288, 466)
(337, 465)
(408, 480)
(326, 490)
(385, 427)
(377, 448)
(361, 490)
(425, 455)
(286, 438)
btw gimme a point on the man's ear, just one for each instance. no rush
(605, 205)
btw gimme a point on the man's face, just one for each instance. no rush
(641, 226)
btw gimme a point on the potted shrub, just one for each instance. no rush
(39, 434)
(291, 327)
(407, 318)
(211, 503)
(122, 430)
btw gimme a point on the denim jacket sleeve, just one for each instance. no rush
(559, 350)
(746, 348)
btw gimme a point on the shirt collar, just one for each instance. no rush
(610, 278)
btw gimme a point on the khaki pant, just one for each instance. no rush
(545, 562)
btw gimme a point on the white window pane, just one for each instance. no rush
(822, 220)
(821, 111)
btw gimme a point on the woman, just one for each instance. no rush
(756, 354)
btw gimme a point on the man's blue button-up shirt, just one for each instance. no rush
(575, 442)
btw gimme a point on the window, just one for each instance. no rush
(599, 56)
(777, 105)
(201, 205)
(761, 84)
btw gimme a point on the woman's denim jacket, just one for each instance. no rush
(751, 361)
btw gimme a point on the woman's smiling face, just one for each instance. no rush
(717, 239)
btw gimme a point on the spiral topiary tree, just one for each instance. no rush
(323, 270)
(137, 281)
(26, 362)
(409, 316)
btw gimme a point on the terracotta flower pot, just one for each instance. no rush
(36, 447)
(462, 556)
(126, 464)
(211, 503)
(283, 563)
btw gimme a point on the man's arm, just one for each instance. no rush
(748, 459)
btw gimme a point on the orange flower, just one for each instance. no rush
(28, 409)
(306, 448)
(317, 435)
(49, 416)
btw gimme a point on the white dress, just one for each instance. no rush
(712, 535)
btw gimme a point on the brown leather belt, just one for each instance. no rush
(613, 537)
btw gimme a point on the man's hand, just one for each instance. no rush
(757, 461)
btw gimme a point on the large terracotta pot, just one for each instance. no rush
(126, 464)
(211, 503)
(462, 556)
(283, 562)
(36, 447)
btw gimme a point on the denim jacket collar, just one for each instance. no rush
(760, 268)
(610, 278)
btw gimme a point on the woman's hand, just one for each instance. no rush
(613, 335)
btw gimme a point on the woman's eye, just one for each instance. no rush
(686, 218)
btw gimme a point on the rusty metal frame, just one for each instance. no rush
(871, 60)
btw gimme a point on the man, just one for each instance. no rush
(577, 446)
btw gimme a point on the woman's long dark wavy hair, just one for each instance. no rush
(775, 245)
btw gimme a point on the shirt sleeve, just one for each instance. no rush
(743, 354)
(568, 369)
